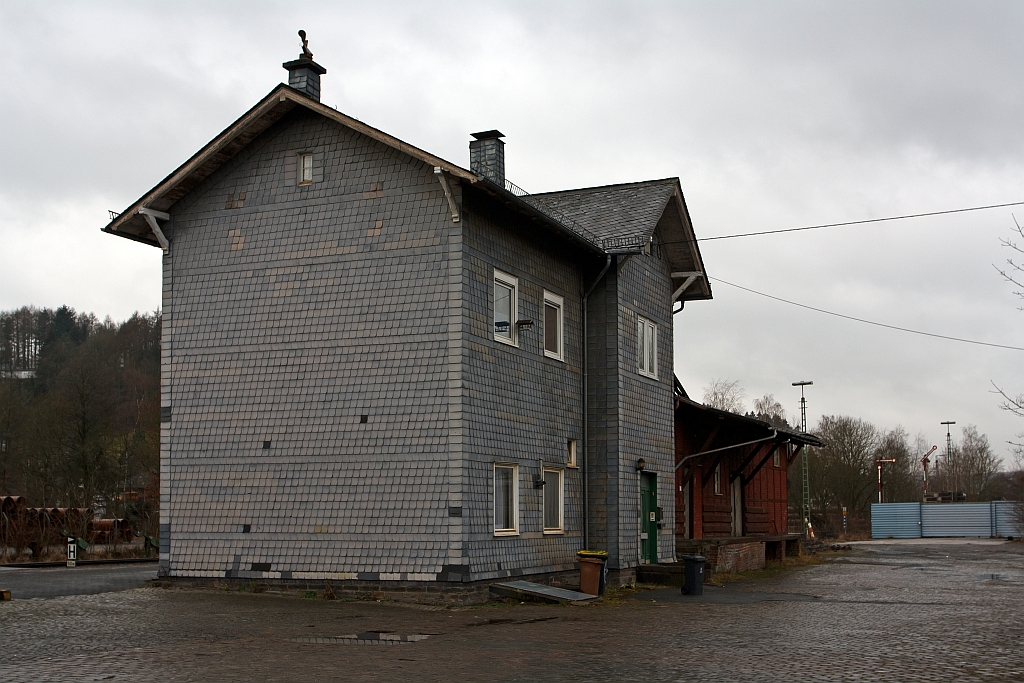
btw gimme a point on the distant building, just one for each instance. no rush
(383, 368)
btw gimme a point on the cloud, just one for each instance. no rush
(773, 115)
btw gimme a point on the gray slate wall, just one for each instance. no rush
(646, 419)
(522, 406)
(281, 296)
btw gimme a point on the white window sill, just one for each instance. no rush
(505, 340)
(647, 375)
(553, 356)
(554, 532)
(506, 532)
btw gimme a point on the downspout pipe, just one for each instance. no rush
(586, 415)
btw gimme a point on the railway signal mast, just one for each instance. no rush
(925, 461)
(880, 462)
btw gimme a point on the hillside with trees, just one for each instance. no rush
(80, 412)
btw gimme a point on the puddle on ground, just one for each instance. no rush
(366, 638)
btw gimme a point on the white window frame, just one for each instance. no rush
(514, 531)
(300, 168)
(643, 342)
(560, 529)
(570, 446)
(718, 479)
(552, 299)
(513, 283)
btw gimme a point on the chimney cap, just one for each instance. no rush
(488, 135)
(304, 63)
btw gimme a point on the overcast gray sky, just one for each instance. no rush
(773, 115)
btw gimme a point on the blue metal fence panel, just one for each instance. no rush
(1007, 521)
(896, 520)
(956, 519)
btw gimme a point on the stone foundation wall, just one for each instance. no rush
(450, 593)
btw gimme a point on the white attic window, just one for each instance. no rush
(305, 168)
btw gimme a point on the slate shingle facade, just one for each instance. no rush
(334, 399)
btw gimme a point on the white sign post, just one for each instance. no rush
(72, 551)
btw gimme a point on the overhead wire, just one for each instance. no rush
(868, 322)
(845, 223)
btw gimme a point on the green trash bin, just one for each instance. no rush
(693, 574)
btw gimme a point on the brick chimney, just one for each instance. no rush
(303, 73)
(487, 156)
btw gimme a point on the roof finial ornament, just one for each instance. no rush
(306, 54)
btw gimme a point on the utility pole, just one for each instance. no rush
(806, 496)
(949, 464)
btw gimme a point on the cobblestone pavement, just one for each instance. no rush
(894, 611)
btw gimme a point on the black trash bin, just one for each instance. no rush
(693, 574)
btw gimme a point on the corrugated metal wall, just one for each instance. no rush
(1006, 521)
(896, 520)
(914, 520)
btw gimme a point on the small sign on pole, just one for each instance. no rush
(844, 519)
(72, 551)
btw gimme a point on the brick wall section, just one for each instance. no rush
(277, 303)
(737, 557)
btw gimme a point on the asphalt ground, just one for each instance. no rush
(52, 582)
(891, 611)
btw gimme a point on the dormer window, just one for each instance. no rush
(305, 168)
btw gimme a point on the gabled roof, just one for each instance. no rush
(631, 213)
(610, 219)
(232, 139)
(610, 211)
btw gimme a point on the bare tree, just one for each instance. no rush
(1013, 271)
(768, 409)
(725, 394)
(842, 472)
(900, 477)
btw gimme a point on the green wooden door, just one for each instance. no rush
(649, 517)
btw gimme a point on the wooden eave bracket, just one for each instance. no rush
(691, 277)
(151, 215)
(452, 206)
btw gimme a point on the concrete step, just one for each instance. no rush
(527, 590)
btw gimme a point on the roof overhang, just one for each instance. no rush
(748, 426)
(689, 277)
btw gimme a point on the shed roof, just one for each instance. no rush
(748, 425)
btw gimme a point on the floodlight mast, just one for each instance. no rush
(806, 493)
(949, 449)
